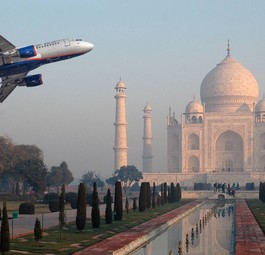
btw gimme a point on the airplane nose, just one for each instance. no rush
(88, 46)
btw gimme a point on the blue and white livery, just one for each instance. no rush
(15, 63)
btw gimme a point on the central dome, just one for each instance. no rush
(229, 87)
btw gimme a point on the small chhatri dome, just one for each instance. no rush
(229, 86)
(147, 108)
(120, 85)
(260, 107)
(194, 106)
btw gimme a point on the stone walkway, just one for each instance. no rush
(24, 224)
(249, 236)
(126, 241)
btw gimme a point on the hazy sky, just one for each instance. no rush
(162, 50)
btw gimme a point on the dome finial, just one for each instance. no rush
(228, 47)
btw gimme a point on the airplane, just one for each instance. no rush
(16, 63)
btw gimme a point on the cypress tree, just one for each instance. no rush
(127, 205)
(108, 210)
(165, 193)
(81, 207)
(37, 231)
(154, 196)
(158, 202)
(62, 210)
(172, 192)
(118, 205)
(260, 191)
(162, 194)
(178, 192)
(143, 197)
(148, 196)
(5, 234)
(169, 198)
(134, 204)
(95, 214)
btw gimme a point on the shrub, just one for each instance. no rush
(27, 208)
(54, 205)
(70, 196)
(50, 196)
(89, 199)
(74, 203)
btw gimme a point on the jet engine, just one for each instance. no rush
(32, 80)
(27, 52)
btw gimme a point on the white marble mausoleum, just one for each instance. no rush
(220, 137)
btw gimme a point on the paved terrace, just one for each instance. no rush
(249, 236)
(127, 241)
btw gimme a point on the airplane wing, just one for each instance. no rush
(9, 84)
(5, 45)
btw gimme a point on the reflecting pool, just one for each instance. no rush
(206, 231)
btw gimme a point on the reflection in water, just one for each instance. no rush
(206, 231)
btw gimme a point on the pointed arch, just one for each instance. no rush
(193, 164)
(193, 142)
(229, 152)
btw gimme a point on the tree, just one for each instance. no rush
(12, 156)
(67, 174)
(108, 210)
(95, 214)
(178, 191)
(81, 207)
(154, 196)
(148, 196)
(62, 210)
(134, 204)
(162, 194)
(34, 173)
(37, 231)
(143, 197)
(5, 235)
(127, 175)
(165, 193)
(90, 177)
(118, 205)
(127, 205)
(173, 192)
(59, 175)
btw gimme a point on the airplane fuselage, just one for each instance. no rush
(44, 54)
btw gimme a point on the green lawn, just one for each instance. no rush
(73, 240)
(258, 209)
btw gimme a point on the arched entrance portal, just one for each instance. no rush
(229, 152)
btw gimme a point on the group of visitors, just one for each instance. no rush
(226, 188)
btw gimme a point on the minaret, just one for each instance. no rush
(147, 140)
(120, 149)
